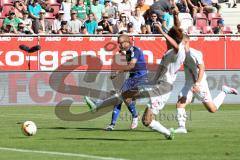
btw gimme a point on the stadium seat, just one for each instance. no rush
(213, 22)
(213, 15)
(200, 15)
(201, 20)
(213, 18)
(1, 21)
(49, 15)
(51, 2)
(6, 9)
(50, 20)
(227, 30)
(207, 30)
(194, 30)
(56, 8)
(186, 21)
(6, 2)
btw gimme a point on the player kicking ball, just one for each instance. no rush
(138, 75)
(160, 88)
(196, 86)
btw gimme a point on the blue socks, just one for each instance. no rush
(117, 110)
(132, 109)
(115, 113)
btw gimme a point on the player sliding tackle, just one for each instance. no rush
(160, 88)
(196, 86)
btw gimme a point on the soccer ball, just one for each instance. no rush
(29, 128)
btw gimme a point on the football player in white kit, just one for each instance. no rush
(159, 90)
(196, 86)
(167, 72)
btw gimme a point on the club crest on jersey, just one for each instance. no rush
(132, 52)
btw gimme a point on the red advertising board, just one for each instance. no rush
(212, 49)
(99, 53)
(233, 52)
(12, 58)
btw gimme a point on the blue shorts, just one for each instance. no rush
(134, 83)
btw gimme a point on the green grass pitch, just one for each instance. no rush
(211, 136)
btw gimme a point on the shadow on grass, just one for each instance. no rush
(111, 139)
(96, 129)
(20, 137)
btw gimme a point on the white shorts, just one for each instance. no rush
(204, 95)
(157, 103)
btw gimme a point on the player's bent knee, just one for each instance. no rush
(212, 110)
(147, 117)
(182, 100)
(210, 107)
(146, 121)
(128, 100)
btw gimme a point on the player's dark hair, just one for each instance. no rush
(176, 33)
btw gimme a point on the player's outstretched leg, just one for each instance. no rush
(111, 101)
(229, 90)
(214, 105)
(211, 105)
(91, 104)
(148, 121)
(115, 114)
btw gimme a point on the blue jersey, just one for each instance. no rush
(140, 68)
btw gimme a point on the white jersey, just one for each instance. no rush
(173, 62)
(192, 60)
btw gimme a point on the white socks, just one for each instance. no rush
(219, 99)
(155, 125)
(181, 117)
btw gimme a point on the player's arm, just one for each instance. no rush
(126, 68)
(201, 70)
(130, 65)
(170, 40)
(160, 72)
(196, 86)
(177, 22)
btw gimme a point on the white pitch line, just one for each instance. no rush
(59, 153)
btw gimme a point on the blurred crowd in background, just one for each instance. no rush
(110, 16)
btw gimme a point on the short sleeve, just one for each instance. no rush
(30, 8)
(135, 53)
(181, 53)
(199, 58)
(164, 17)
